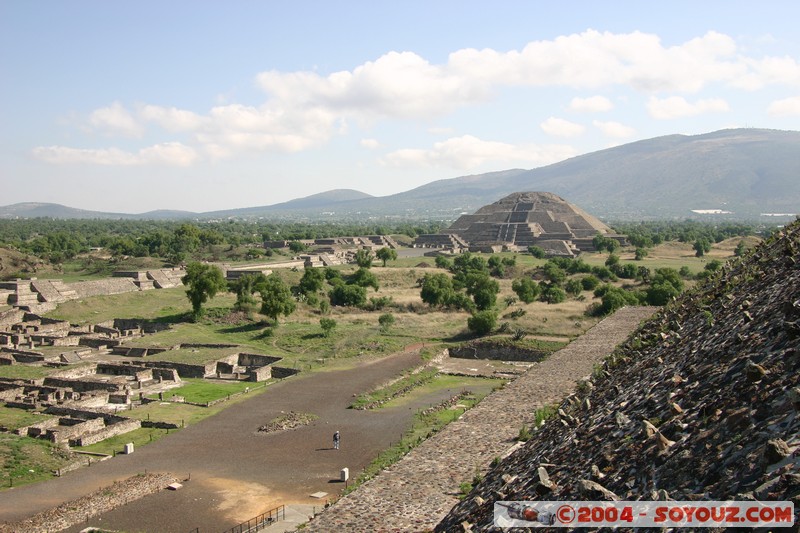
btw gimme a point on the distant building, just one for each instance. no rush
(520, 220)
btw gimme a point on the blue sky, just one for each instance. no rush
(200, 105)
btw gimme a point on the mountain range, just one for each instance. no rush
(743, 173)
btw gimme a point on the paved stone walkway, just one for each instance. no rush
(418, 491)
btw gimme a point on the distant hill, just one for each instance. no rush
(745, 171)
(321, 201)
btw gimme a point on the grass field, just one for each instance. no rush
(203, 391)
(27, 460)
(17, 418)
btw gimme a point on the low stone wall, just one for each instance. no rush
(186, 370)
(279, 372)
(102, 500)
(84, 289)
(261, 374)
(253, 359)
(106, 432)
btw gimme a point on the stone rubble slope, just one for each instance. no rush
(700, 404)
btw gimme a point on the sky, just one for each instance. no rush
(206, 105)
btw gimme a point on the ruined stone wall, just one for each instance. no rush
(106, 432)
(64, 432)
(9, 391)
(85, 289)
(253, 359)
(84, 370)
(279, 372)
(261, 374)
(81, 386)
(186, 370)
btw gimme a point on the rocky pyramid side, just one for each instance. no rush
(701, 403)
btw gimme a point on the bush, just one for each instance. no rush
(552, 294)
(386, 321)
(348, 295)
(526, 289)
(590, 282)
(573, 287)
(482, 322)
(537, 252)
(327, 325)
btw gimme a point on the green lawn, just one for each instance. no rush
(173, 413)
(202, 391)
(139, 437)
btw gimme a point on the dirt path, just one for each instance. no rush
(237, 472)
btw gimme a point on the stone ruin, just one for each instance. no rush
(335, 250)
(96, 374)
(40, 295)
(521, 220)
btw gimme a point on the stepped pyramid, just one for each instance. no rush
(524, 219)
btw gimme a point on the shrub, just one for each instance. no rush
(526, 289)
(386, 321)
(482, 322)
(553, 294)
(348, 295)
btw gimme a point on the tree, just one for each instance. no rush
(639, 254)
(348, 295)
(204, 282)
(364, 258)
(386, 321)
(386, 254)
(276, 298)
(437, 289)
(312, 281)
(244, 288)
(443, 262)
(554, 273)
(364, 278)
(701, 247)
(526, 289)
(482, 322)
(740, 249)
(327, 325)
(553, 294)
(573, 287)
(483, 290)
(297, 247)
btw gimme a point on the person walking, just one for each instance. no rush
(336, 440)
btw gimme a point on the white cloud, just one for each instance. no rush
(677, 107)
(593, 59)
(174, 154)
(468, 152)
(614, 129)
(115, 120)
(558, 127)
(171, 118)
(371, 144)
(397, 84)
(305, 109)
(785, 107)
(592, 104)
